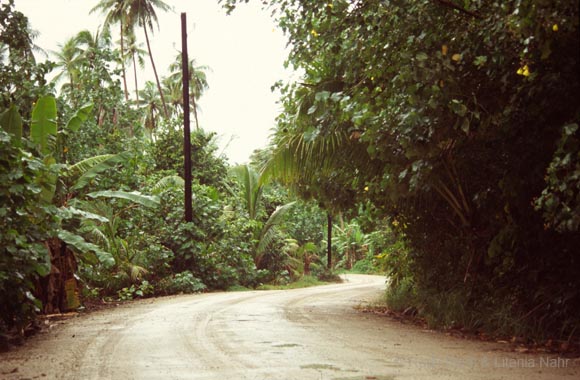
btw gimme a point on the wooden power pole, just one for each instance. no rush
(186, 128)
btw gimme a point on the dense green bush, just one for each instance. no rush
(457, 120)
(183, 282)
(26, 222)
(207, 168)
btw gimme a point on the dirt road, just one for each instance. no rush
(312, 333)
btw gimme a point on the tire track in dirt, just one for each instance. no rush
(299, 334)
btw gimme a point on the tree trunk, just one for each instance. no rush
(306, 264)
(58, 291)
(123, 63)
(329, 241)
(72, 98)
(155, 71)
(135, 74)
(195, 111)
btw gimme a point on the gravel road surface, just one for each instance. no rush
(302, 334)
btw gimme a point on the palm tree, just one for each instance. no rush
(310, 144)
(252, 187)
(91, 44)
(172, 90)
(142, 13)
(135, 56)
(197, 81)
(116, 12)
(68, 58)
(150, 103)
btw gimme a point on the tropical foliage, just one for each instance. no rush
(458, 121)
(433, 141)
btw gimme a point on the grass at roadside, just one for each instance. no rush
(303, 282)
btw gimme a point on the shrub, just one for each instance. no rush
(25, 223)
(184, 282)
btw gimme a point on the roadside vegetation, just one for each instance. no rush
(433, 142)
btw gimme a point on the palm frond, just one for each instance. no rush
(250, 181)
(268, 231)
(167, 183)
(302, 156)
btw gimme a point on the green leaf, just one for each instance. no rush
(48, 180)
(11, 122)
(83, 246)
(168, 182)
(71, 212)
(465, 125)
(267, 233)
(43, 122)
(422, 57)
(458, 107)
(322, 95)
(480, 60)
(570, 129)
(43, 268)
(93, 166)
(134, 196)
(79, 117)
(251, 185)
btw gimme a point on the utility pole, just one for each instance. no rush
(186, 129)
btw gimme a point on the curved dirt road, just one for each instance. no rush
(301, 334)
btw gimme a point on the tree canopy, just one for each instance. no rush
(459, 121)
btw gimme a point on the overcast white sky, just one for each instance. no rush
(244, 50)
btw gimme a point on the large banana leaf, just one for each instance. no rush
(89, 168)
(47, 180)
(11, 122)
(43, 122)
(134, 196)
(79, 117)
(70, 212)
(83, 246)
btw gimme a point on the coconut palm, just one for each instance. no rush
(92, 43)
(67, 59)
(116, 13)
(142, 13)
(134, 56)
(197, 81)
(310, 144)
(251, 186)
(150, 103)
(172, 91)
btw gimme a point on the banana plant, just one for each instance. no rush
(44, 135)
(352, 243)
(252, 186)
(104, 230)
(301, 257)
